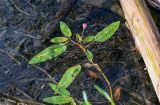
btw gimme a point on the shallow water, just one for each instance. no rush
(21, 38)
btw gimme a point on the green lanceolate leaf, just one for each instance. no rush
(69, 76)
(59, 40)
(73, 103)
(89, 39)
(86, 102)
(78, 38)
(65, 29)
(107, 32)
(58, 99)
(89, 55)
(48, 53)
(105, 94)
(59, 89)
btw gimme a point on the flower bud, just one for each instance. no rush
(84, 25)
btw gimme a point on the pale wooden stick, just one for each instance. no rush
(146, 36)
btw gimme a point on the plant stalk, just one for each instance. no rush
(96, 66)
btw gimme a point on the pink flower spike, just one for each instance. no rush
(84, 25)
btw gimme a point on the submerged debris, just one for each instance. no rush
(26, 26)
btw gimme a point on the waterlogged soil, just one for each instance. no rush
(26, 26)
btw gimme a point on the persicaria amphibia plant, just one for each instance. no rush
(59, 47)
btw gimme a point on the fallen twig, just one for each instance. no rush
(18, 33)
(1, 50)
(137, 96)
(42, 70)
(17, 8)
(14, 100)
